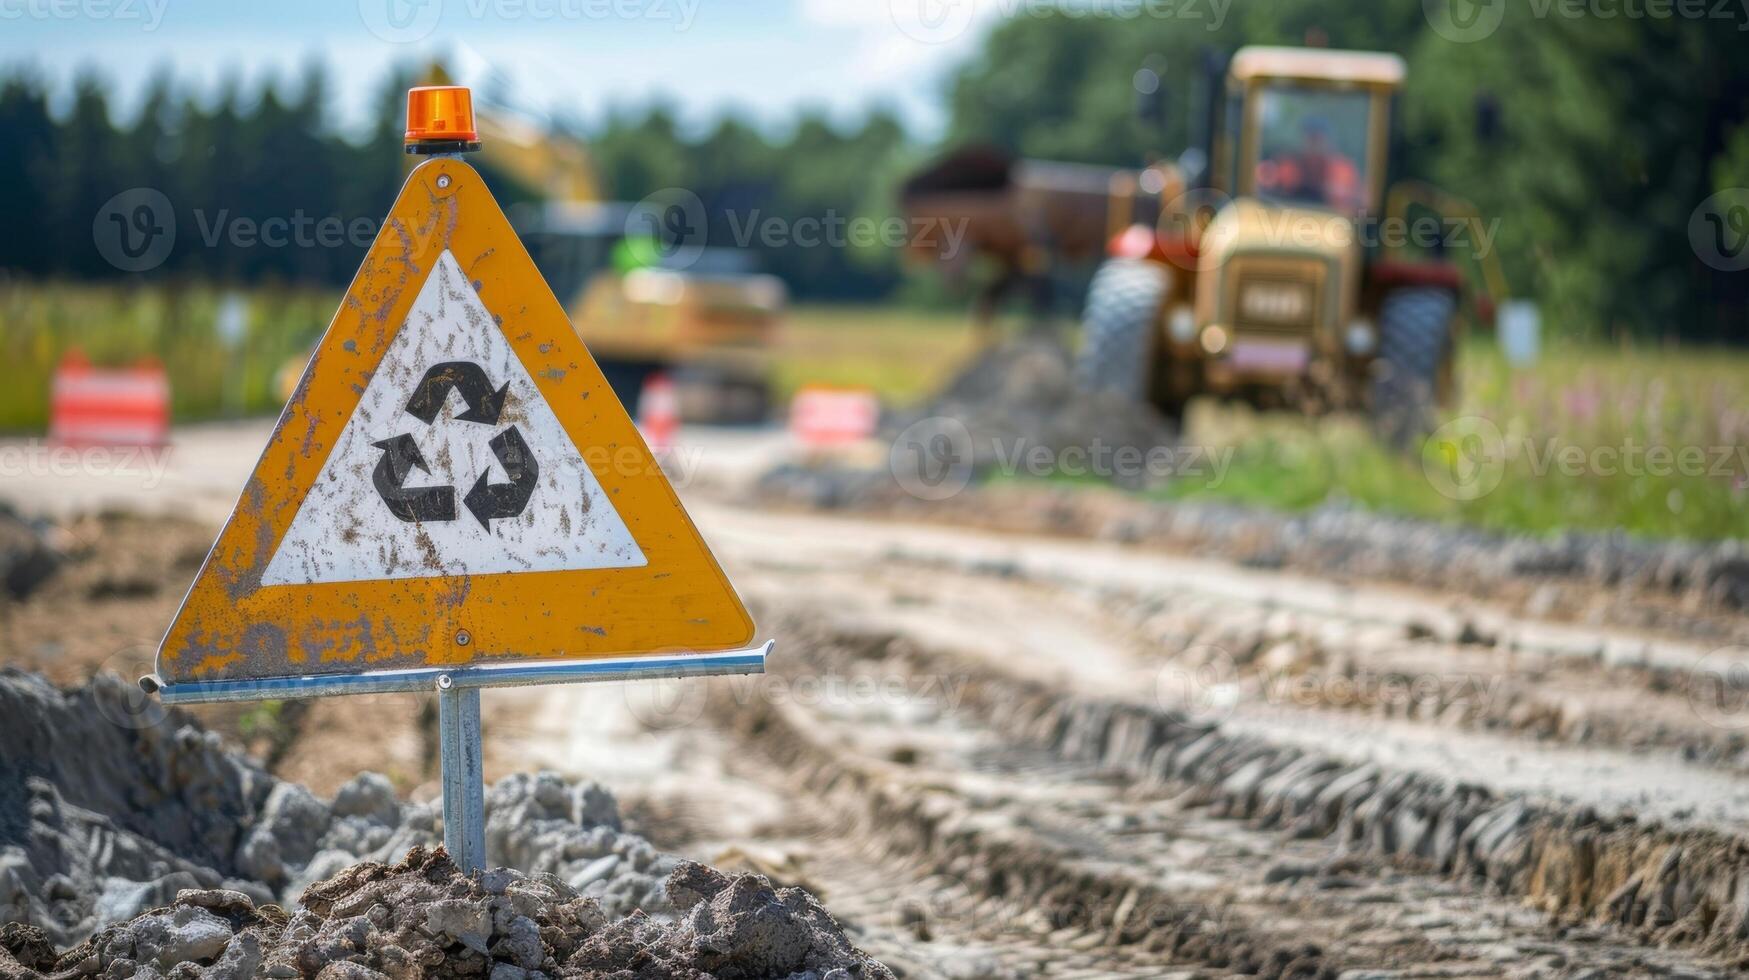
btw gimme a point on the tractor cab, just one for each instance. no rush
(1307, 127)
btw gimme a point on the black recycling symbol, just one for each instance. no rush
(401, 456)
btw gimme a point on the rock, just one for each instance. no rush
(732, 926)
(122, 899)
(183, 935)
(594, 806)
(240, 960)
(521, 944)
(28, 946)
(120, 817)
(692, 883)
(368, 795)
(594, 871)
(286, 836)
(15, 870)
(539, 823)
(459, 920)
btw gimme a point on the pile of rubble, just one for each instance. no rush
(1022, 395)
(424, 918)
(109, 806)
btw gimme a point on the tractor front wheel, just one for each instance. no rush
(1117, 342)
(1414, 348)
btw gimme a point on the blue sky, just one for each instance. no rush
(766, 58)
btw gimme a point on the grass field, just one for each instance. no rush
(900, 353)
(1649, 441)
(1645, 440)
(176, 327)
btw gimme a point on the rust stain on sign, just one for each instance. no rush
(442, 470)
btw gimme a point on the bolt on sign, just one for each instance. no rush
(452, 485)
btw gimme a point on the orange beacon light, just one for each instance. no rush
(440, 119)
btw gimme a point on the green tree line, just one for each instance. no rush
(1605, 136)
(253, 154)
(250, 155)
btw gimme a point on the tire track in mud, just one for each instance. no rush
(998, 891)
(1698, 589)
(1050, 825)
(1460, 677)
(1466, 669)
(1312, 644)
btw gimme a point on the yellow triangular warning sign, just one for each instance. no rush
(453, 483)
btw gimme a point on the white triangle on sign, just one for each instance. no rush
(349, 528)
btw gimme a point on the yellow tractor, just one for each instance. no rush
(1271, 265)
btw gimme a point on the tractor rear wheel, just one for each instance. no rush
(1414, 345)
(1117, 328)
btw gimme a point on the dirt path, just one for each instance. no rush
(992, 753)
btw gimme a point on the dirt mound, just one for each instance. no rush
(424, 918)
(1022, 394)
(110, 805)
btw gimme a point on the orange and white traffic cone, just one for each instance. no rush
(659, 413)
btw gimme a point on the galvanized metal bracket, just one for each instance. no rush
(458, 712)
(412, 680)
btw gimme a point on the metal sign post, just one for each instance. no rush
(458, 712)
(464, 781)
(453, 499)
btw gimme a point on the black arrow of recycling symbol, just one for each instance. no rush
(399, 458)
(486, 501)
(484, 404)
(489, 500)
